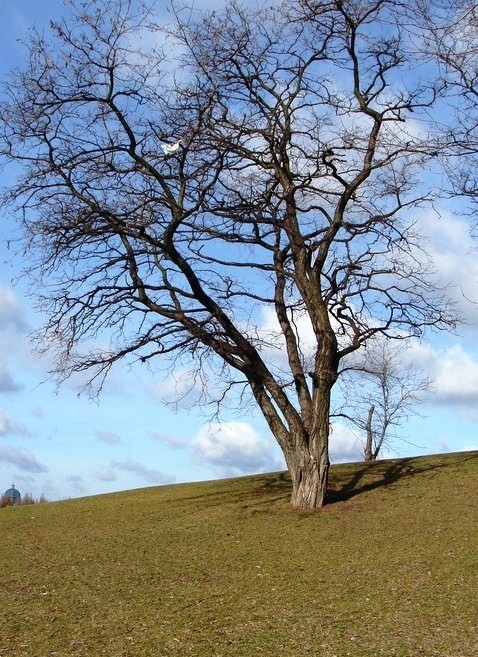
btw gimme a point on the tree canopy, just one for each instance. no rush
(240, 189)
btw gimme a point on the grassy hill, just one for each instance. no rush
(227, 568)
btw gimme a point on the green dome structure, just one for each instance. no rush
(13, 495)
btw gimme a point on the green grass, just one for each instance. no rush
(229, 569)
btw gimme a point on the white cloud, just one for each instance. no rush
(345, 444)
(456, 380)
(10, 427)
(12, 316)
(453, 375)
(235, 449)
(167, 439)
(453, 252)
(77, 483)
(108, 437)
(106, 474)
(21, 459)
(13, 328)
(149, 475)
(7, 382)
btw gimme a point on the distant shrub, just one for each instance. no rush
(29, 499)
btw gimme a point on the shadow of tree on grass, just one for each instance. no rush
(369, 476)
(350, 480)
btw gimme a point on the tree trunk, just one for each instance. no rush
(368, 451)
(309, 464)
(309, 480)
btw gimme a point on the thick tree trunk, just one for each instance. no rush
(309, 464)
(309, 480)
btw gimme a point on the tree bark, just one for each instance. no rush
(309, 479)
(368, 451)
(309, 463)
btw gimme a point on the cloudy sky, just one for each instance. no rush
(59, 444)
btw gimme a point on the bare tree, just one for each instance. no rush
(380, 391)
(265, 164)
(448, 33)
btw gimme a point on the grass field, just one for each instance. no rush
(227, 568)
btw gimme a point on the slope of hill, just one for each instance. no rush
(227, 568)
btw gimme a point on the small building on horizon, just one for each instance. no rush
(13, 495)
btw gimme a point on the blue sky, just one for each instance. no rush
(54, 442)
